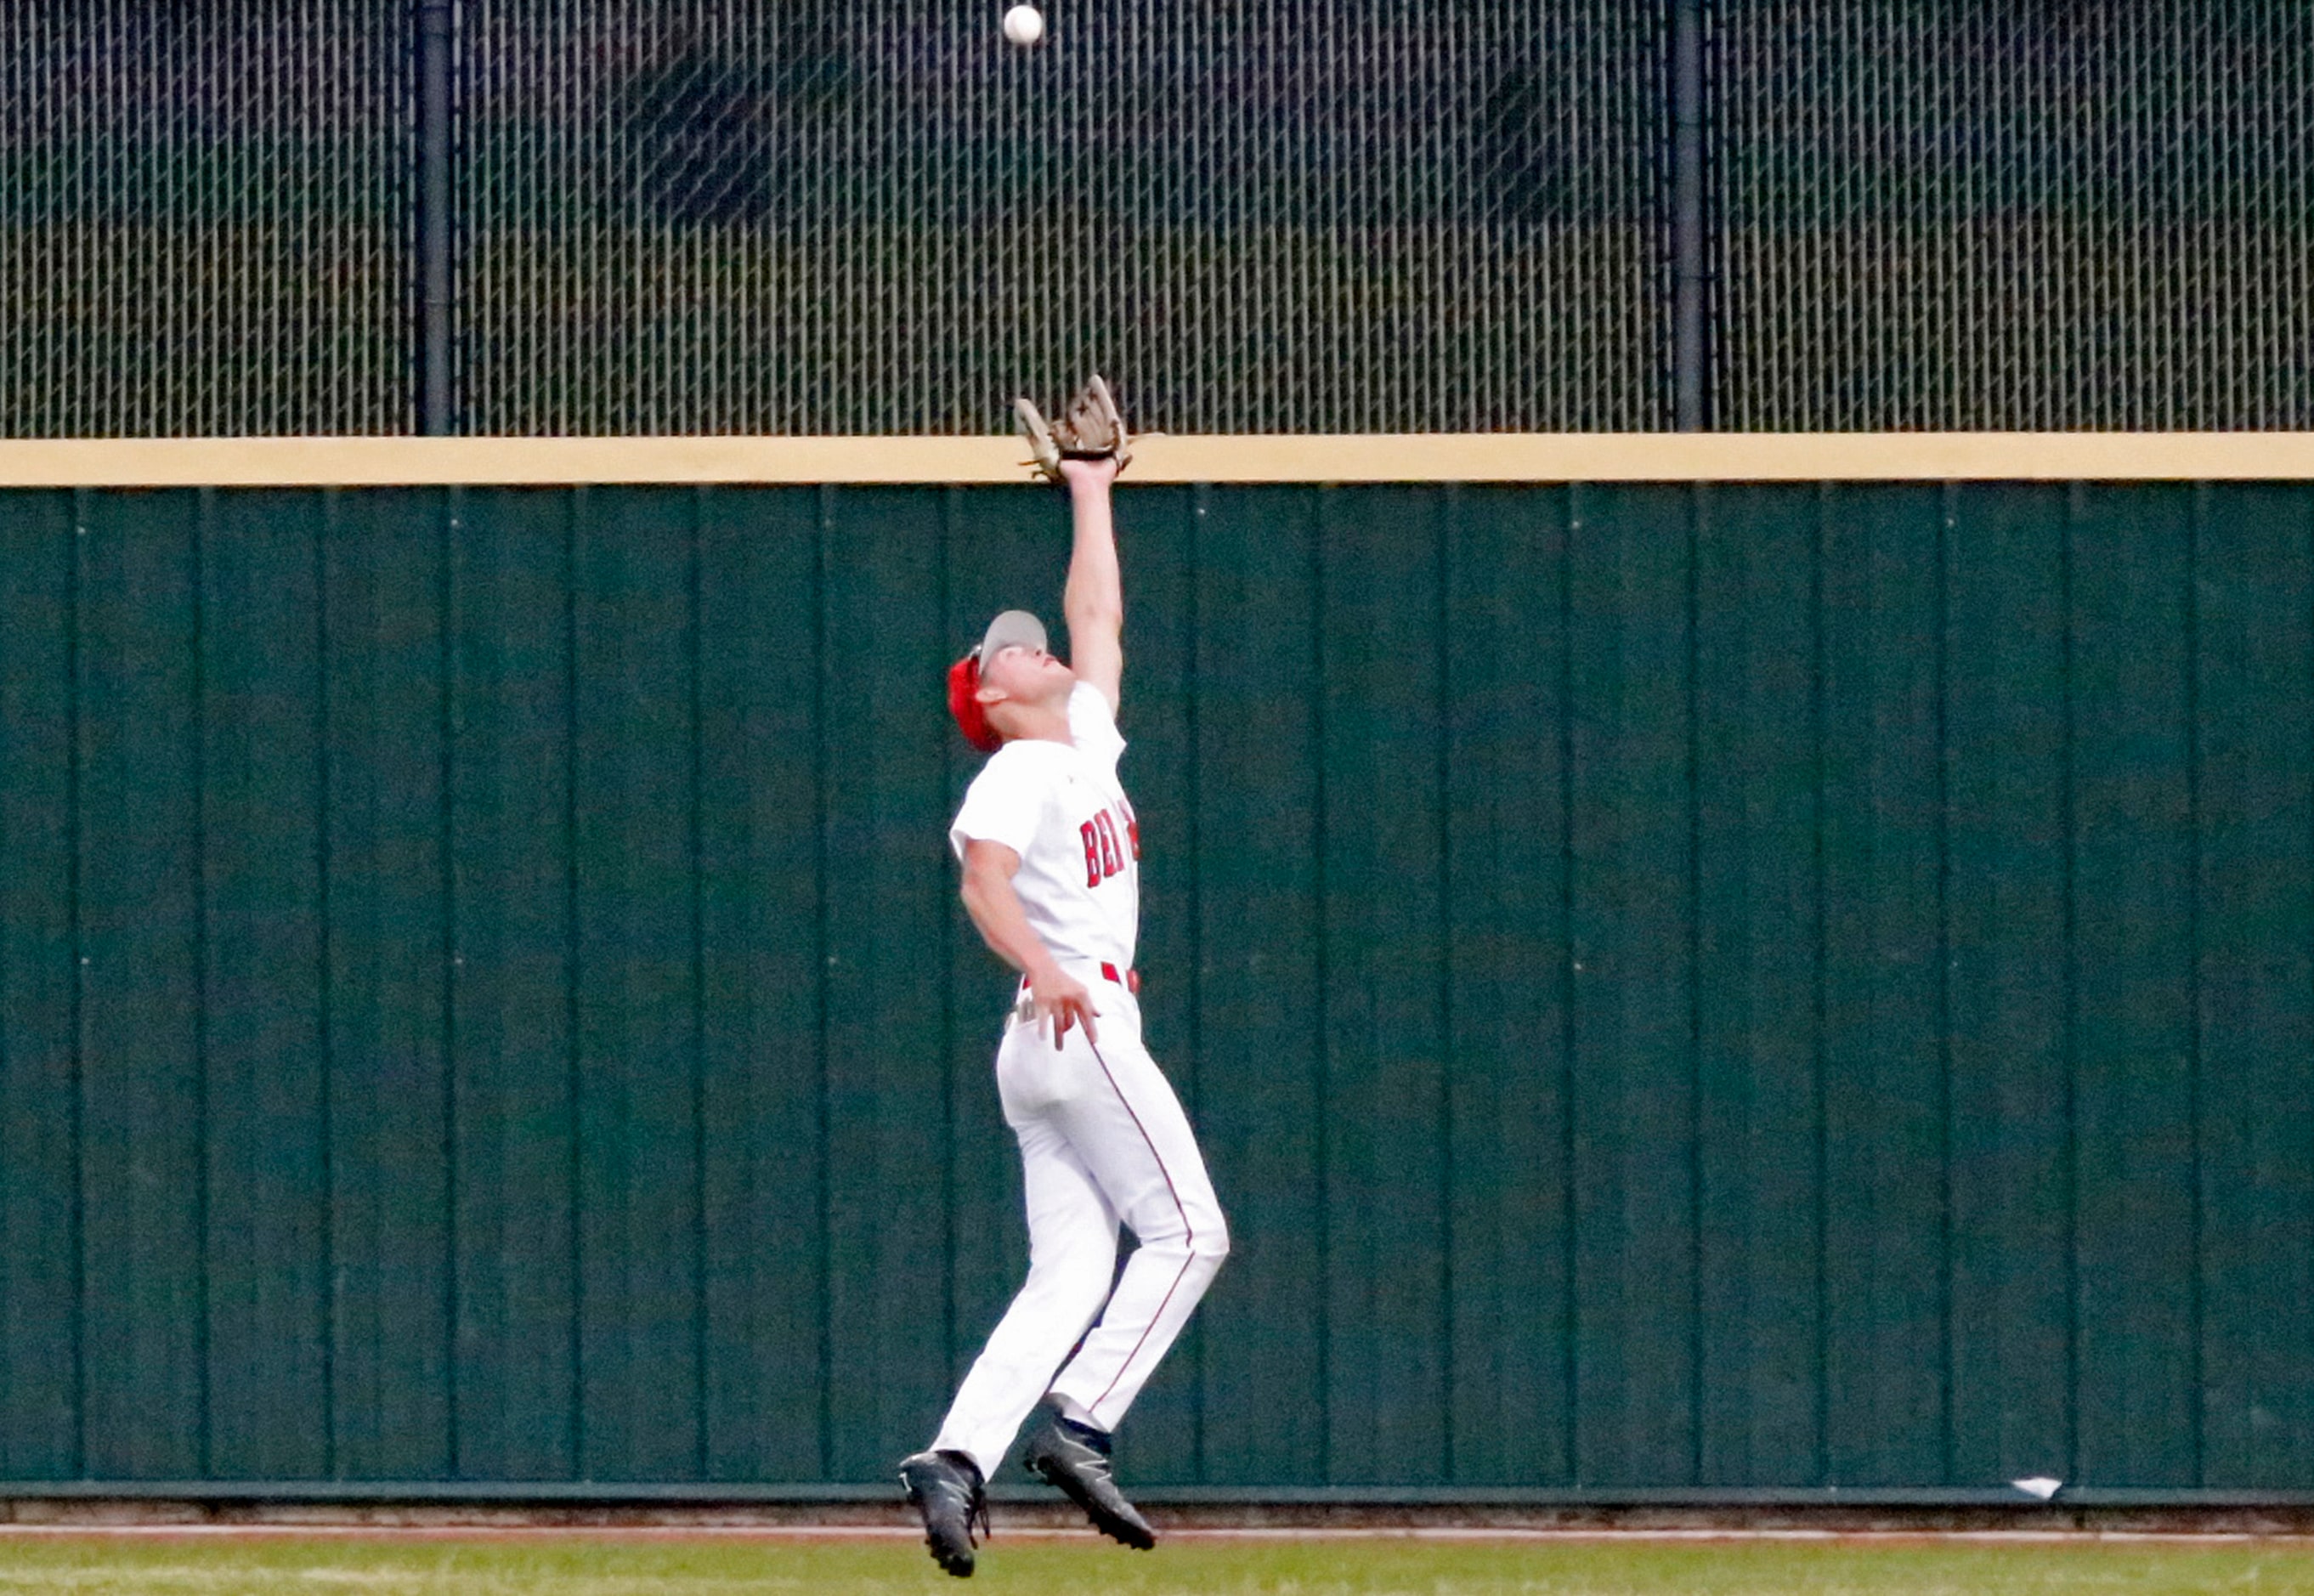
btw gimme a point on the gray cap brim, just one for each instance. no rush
(1012, 629)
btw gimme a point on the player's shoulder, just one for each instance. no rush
(1087, 701)
(1092, 722)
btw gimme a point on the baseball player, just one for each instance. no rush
(1049, 850)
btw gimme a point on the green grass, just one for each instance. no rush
(578, 1566)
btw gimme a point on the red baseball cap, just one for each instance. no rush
(1012, 629)
(964, 704)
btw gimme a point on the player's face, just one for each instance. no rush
(1029, 675)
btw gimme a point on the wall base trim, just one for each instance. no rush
(219, 1495)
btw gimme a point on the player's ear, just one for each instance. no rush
(990, 695)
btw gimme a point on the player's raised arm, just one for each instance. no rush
(1094, 602)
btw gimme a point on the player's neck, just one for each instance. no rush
(1039, 723)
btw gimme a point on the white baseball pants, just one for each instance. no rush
(1103, 1138)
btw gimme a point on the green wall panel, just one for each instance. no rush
(1268, 1335)
(388, 973)
(1884, 980)
(145, 1186)
(2254, 597)
(762, 1010)
(2129, 556)
(1632, 909)
(1681, 987)
(634, 758)
(264, 1073)
(1382, 943)
(1508, 1273)
(2012, 1163)
(515, 1099)
(41, 1299)
(1758, 951)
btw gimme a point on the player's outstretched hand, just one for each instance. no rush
(1063, 1002)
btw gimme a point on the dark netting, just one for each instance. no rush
(202, 218)
(1256, 216)
(2014, 213)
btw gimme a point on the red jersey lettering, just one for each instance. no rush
(1105, 856)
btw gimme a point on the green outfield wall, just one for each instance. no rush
(1684, 987)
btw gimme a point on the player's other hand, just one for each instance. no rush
(1062, 1002)
(1085, 473)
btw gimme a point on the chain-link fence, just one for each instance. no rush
(811, 217)
(205, 218)
(1256, 216)
(2014, 215)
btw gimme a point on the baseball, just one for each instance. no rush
(1024, 25)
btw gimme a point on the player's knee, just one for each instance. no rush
(1079, 1300)
(1060, 1263)
(1076, 1275)
(1211, 1241)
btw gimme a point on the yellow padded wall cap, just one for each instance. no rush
(1446, 457)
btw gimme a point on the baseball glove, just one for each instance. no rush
(1089, 430)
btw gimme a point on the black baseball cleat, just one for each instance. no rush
(944, 1488)
(1075, 1457)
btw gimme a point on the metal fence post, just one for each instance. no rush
(1690, 304)
(436, 416)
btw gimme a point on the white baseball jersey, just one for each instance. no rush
(1059, 806)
